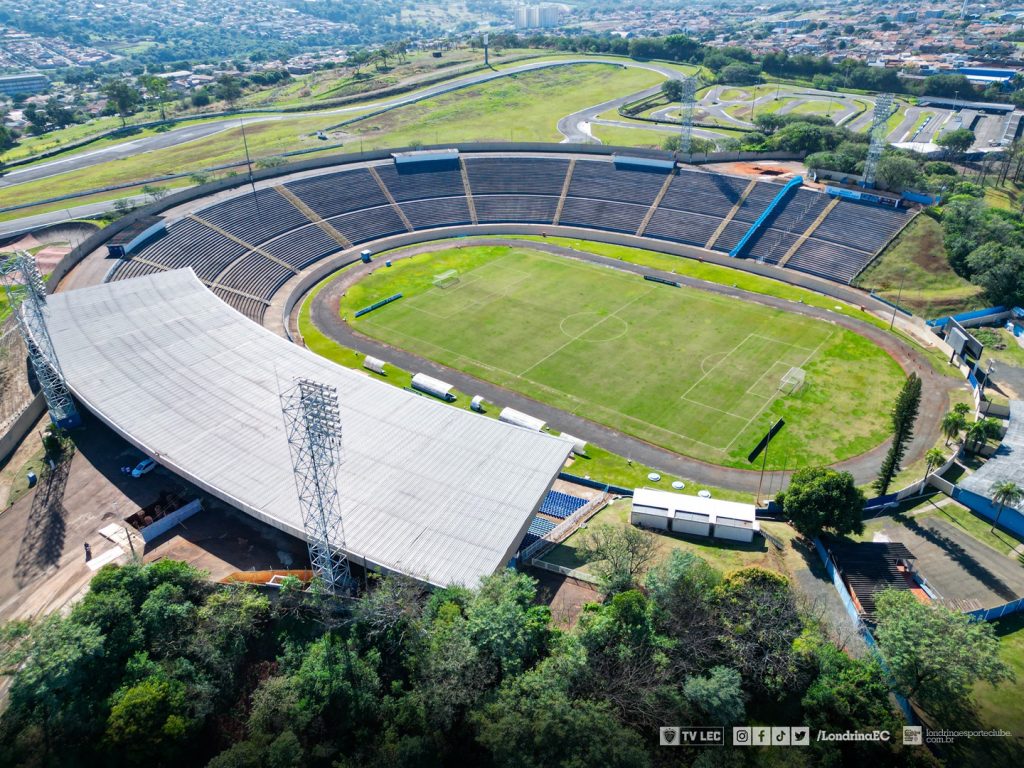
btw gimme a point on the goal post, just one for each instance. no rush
(446, 279)
(792, 381)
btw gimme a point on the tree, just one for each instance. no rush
(980, 432)
(7, 138)
(149, 720)
(124, 97)
(952, 424)
(156, 87)
(273, 161)
(932, 459)
(672, 90)
(898, 172)
(228, 89)
(958, 141)
(935, 654)
(621, 554)
(760, 624)
(1006, 492)
(156, 193)
(820, 499)
(719, 695)
(904, 414)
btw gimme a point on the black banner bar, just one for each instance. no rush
(766, 439)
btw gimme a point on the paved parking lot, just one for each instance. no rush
(968, 574)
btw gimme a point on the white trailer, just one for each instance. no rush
(373, 364)
(520, 419)
(431, 386)
(579, 446)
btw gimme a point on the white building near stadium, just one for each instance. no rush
(693, 515)
(434, 492)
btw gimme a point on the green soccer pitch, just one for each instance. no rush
(682, 368)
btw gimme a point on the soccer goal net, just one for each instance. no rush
(792, 381)
(446, 279)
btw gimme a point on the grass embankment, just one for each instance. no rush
(524, 107)
(680, 368)
(1001, 707)
(917, 260)
(721, 554)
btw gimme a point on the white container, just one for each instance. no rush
(373, 364)
(432, 386)
(520, 419)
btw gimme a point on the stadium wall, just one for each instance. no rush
(20, 427)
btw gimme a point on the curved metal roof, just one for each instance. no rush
(435, 492)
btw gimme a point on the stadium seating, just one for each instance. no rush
(541, 527)
(533, 209)
(524, 189)
(602, 180)
(337, 193)
(561, 505)
(254, 219)
(191, 244)
(437, 212)
(516, 175)
(422, 181)
(303, 246)
(602, 214)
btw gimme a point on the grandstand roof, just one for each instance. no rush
(435, 492)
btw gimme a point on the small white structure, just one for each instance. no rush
(432, 386)
(520, 419)
(578, 444)
(373, 364)
(477, 403)
(693, 515)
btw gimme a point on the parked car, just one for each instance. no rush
(143, 467)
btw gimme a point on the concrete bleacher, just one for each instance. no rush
(337, 193)
(689, 209)
(603, 180)
(254, 218)
(516, 175)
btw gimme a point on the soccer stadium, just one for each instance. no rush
(180, 332)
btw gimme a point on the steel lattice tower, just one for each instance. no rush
(313, 427)
(26, 294)
(687, 103)
(883, 107)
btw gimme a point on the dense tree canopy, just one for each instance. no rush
(820, 499)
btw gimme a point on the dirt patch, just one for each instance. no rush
(929, 251)
(783, 171)
(565, 596)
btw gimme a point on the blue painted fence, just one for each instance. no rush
(378, 304)
(865, 633)
(967, 316)
(999, 612)
(1010, 518)
(765, 214)
(588, 483)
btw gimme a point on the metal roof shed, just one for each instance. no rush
(427, 490)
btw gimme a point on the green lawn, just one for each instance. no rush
(1012, 353)
(524, 107)
(1002, 707)
(917, 260)
(723, 555)
(694, 372)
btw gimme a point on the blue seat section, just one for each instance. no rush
(255, 218)
(561, 505)
(699, 192)
(368, 224)
(303, 246)
(336, 193)
(540, 527)
(437, 212)
(602, 214)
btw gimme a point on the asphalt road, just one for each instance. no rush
(864, 467)
(188, 133)
(86, 211)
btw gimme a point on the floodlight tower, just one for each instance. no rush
(313, 428)
(687, 103)
(883, 106)
(26, 295)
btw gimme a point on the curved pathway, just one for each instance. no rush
(325, 315)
